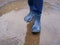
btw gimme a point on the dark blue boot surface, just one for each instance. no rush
(29, 17)
(37, 24)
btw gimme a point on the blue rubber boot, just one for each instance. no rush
(36, 28)
(29, 17)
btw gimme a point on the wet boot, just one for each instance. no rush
(29, 17)
(36, 28)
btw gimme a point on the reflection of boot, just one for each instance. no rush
(36, 28)
(29, 17)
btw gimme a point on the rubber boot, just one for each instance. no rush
(36, 28)
(29, 17)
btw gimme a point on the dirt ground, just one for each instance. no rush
(15, 31)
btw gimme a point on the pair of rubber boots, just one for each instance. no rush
(36, 28)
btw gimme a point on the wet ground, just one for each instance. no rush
(15, 31)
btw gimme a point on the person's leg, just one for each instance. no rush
(37, 6)
(29, 17)
(37, 17)
(30, 3)
(35, 12)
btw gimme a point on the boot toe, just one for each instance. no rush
(28, 19)
(36, 29)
